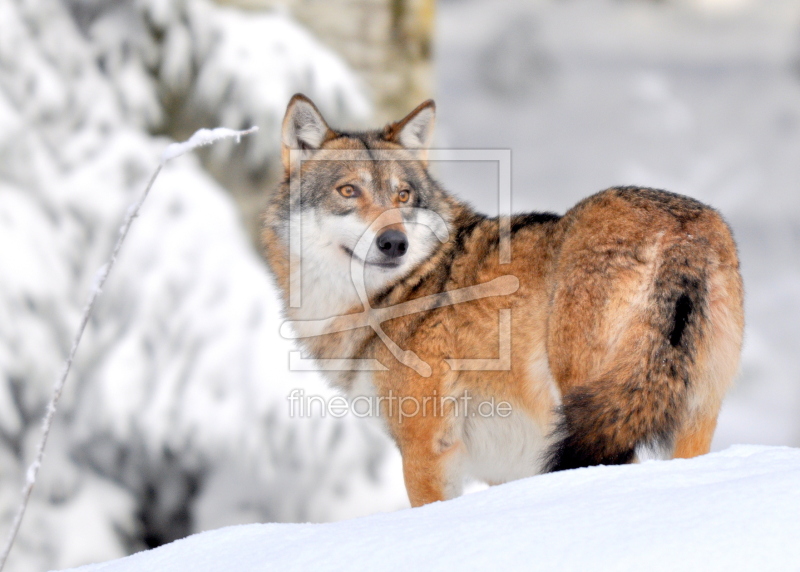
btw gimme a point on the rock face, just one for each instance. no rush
(174, 419)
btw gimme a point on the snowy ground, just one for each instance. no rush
(734, 510)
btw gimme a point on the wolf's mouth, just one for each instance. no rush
(365, 262)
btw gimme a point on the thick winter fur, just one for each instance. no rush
(626, 327)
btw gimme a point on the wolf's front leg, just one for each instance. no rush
(432, 475)
(433, 454)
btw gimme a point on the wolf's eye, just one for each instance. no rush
(403, 196)
(348, 191)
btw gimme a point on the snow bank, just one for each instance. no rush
(734, 510)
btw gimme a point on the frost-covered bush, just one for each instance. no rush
(174, 419)
(177, 65)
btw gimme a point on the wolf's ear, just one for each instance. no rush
(303, 128)
(415, 130)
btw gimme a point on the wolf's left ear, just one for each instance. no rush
(304, 128)
(415, 130)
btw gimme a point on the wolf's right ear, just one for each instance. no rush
(415, 130)
(304, 129)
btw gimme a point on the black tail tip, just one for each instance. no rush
(572, 452)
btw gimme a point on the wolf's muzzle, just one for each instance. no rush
(392, 243)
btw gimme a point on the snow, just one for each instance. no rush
(732, 510)
(178, 65)
(200, 138)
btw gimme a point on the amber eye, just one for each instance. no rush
(348, 191)
(403, 196)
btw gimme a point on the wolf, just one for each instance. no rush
(622, 319)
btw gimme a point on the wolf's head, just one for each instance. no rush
(359, 203)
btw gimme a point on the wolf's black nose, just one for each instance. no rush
(392, 243)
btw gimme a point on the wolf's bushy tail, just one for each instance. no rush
(640, 399)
